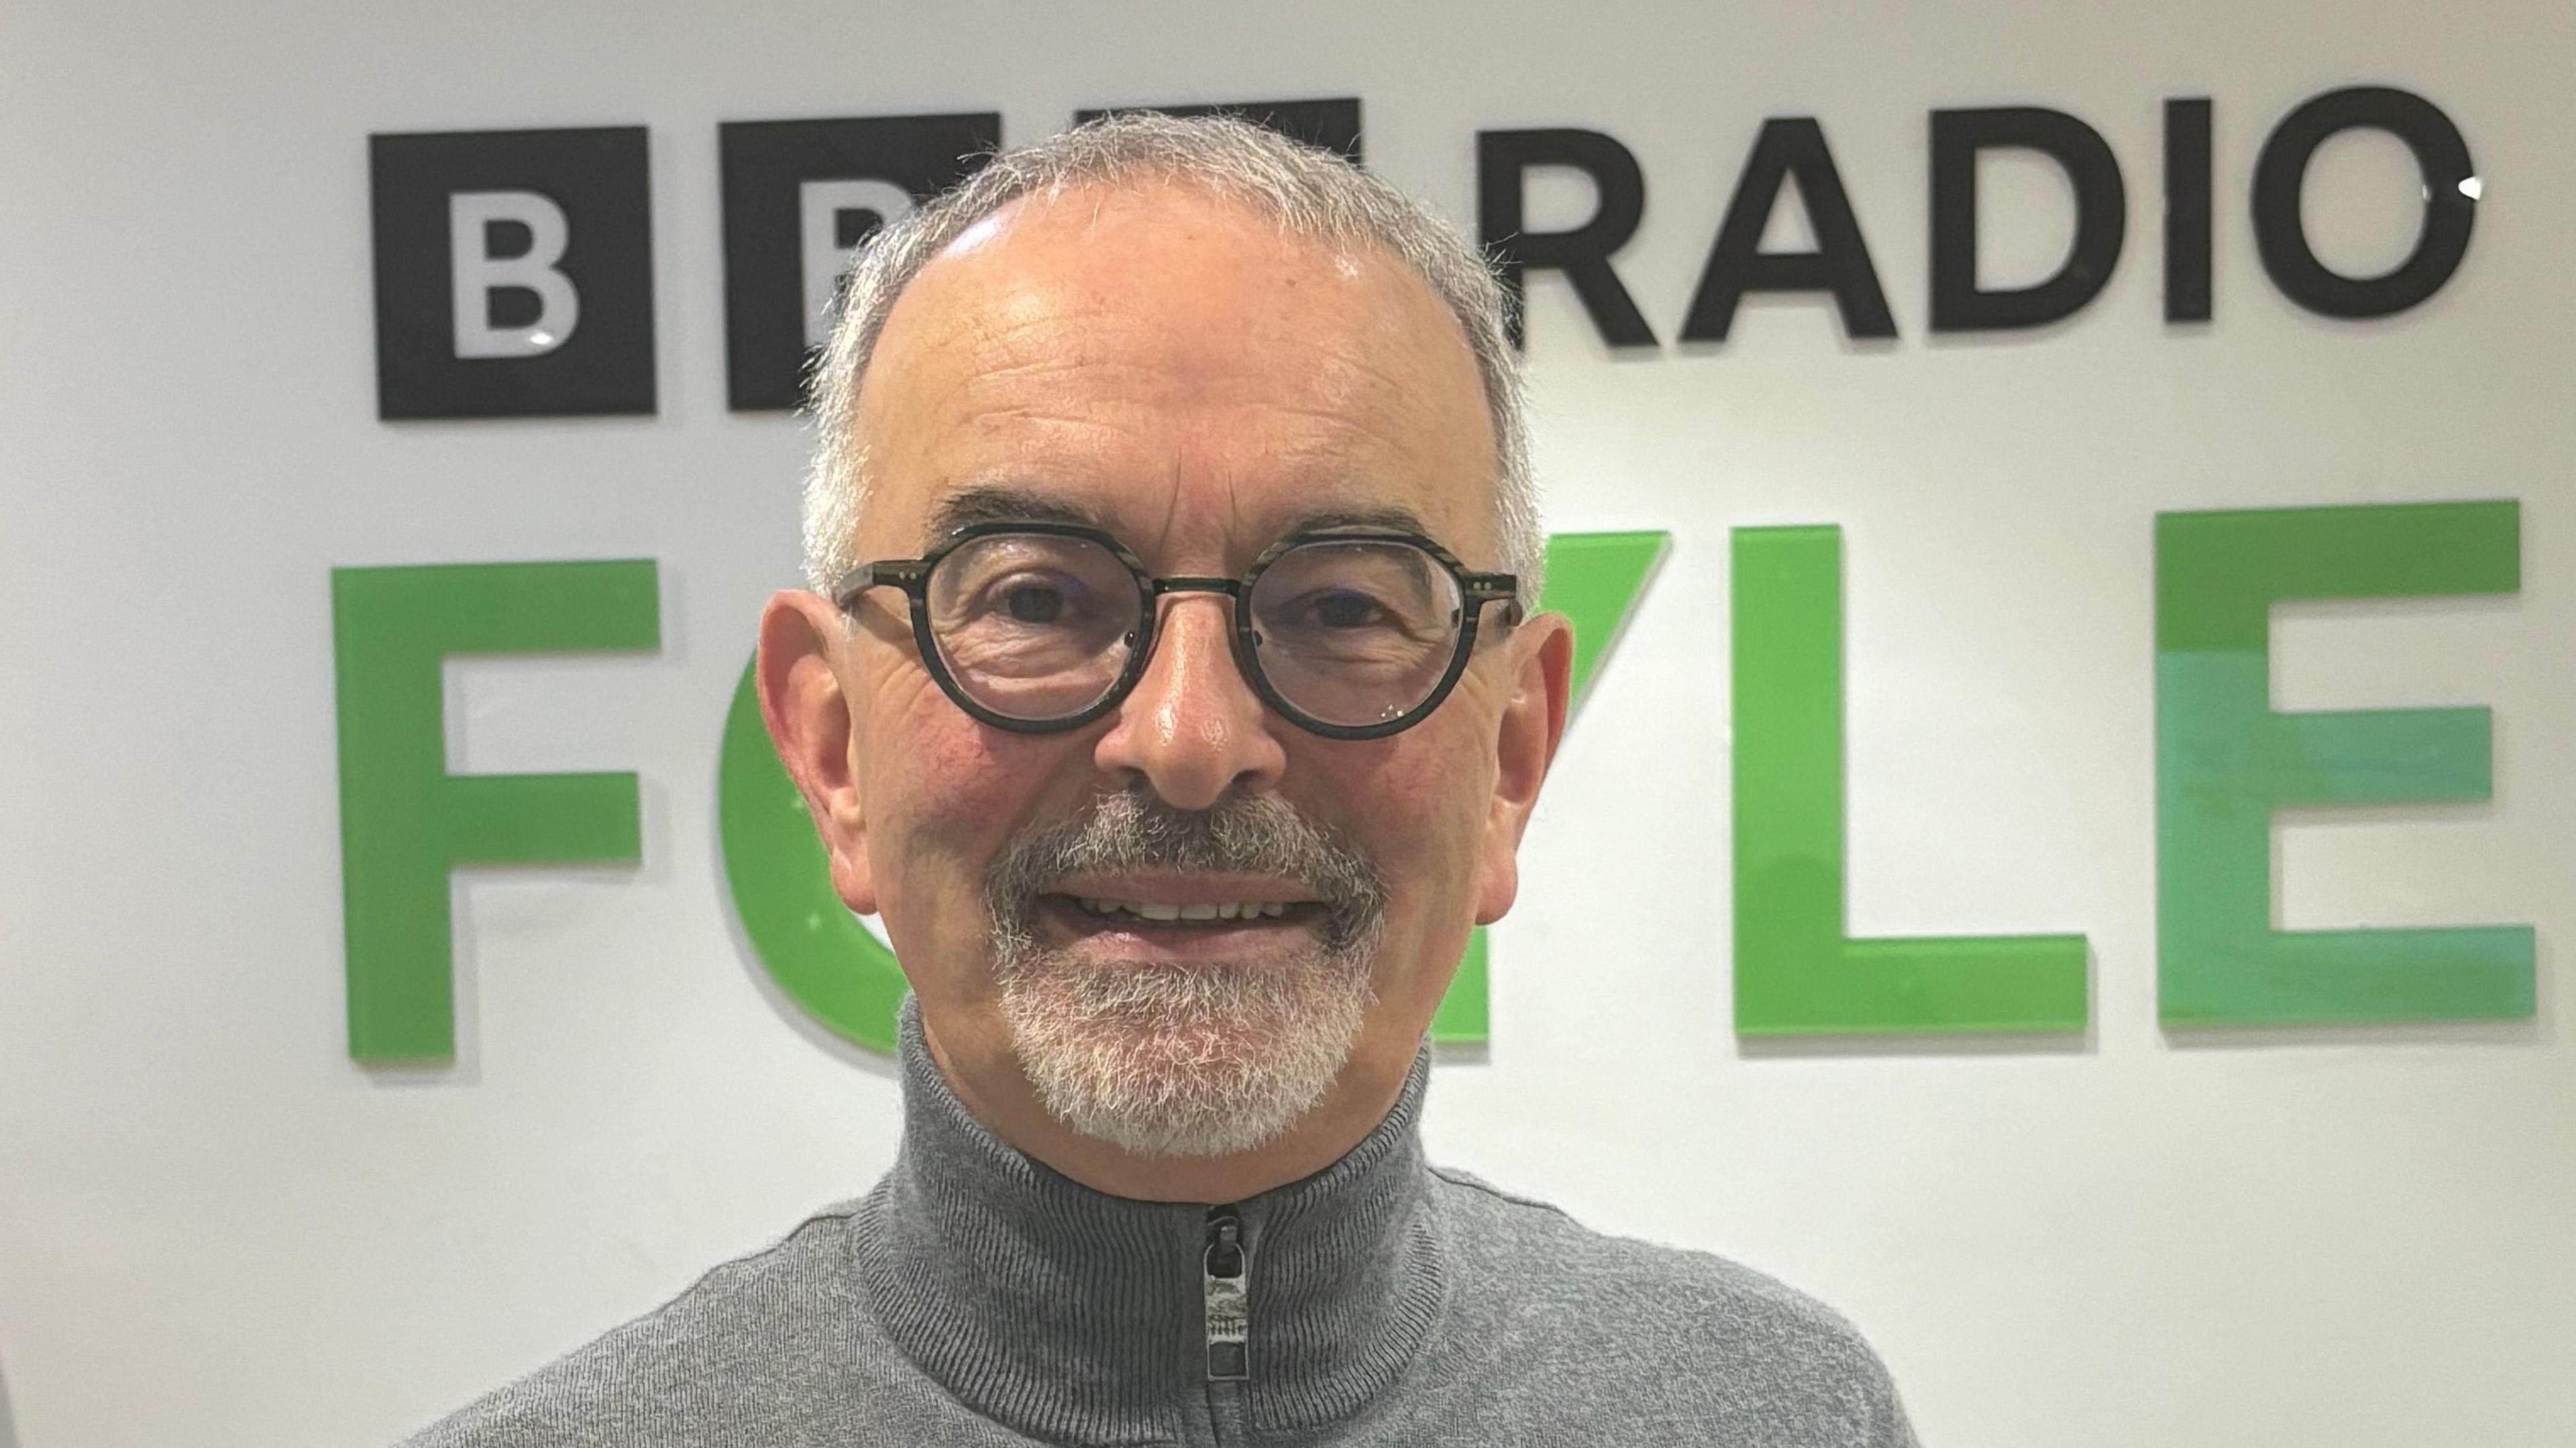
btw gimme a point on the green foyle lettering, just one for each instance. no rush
(2225, 762)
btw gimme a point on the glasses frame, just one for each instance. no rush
(912, 575)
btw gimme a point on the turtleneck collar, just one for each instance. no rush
(1077, 1317)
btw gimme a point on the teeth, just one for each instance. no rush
(1150, 910)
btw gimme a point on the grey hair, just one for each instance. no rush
(1308, 192)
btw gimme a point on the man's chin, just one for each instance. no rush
(1183, 1057)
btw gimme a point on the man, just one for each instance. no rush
(1170, 687)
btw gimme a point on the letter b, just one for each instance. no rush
(514, 273)
(478, 274)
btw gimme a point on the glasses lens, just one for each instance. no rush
(1355, 632)
(1033, 626)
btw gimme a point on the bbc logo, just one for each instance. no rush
(514, 269)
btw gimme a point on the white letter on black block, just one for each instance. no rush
(513, 272)
(478, 273)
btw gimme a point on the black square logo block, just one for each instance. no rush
(514, 273)
(1332, 124)
(799, 197)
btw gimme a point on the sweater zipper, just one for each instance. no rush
(1225, 1272)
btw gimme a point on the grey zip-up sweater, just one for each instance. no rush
(977, 1298)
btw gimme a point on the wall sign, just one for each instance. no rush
(514, 273)
(1838, 269)
(514, 277)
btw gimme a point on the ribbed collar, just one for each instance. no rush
(1075, 1317)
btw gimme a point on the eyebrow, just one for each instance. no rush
(1402, 520)
(1002, 503)
(998, 503)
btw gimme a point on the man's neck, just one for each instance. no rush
(1000, 1097)
(1072, 1314)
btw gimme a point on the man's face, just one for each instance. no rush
(1171, 368)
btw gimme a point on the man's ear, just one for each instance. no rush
(808, 715)
(1533, 721)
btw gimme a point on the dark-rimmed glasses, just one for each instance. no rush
(1348, 632)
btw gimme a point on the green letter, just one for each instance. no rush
(809, 942)
(1796, 973)
(843, 976)
(404, 820)
(2225, 761)
(1594, 579)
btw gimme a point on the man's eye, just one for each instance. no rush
(1346, 610)
(1034, 603)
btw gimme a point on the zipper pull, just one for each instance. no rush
(1229, 1301)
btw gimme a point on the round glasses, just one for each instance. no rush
(1350, 633)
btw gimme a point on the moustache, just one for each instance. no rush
(1240, 834)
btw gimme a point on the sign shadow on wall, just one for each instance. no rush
(8, 1419)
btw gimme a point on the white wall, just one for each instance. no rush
(214, 1229)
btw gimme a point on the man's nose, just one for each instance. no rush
(1193, 728)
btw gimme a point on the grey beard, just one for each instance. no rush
(1206, 1059)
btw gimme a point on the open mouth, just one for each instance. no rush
(1101, 910)
(1180, 911)
(1172, 912)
